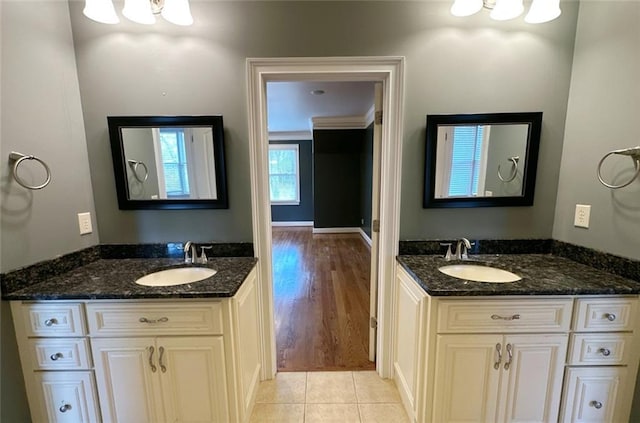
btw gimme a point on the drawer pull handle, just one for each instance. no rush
(153, 366)
(510, 354)
(596, 404)
(152, 321)
(610, 316)
(496, 365)
(64, 408)
(498, 317)
(605, 351)
(56, 356)
(162, 366)
(51, 322)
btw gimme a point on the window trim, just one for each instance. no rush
(295, 147)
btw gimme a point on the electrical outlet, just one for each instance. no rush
(84, 222)
(581, 218)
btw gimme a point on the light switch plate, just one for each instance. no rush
(581, 218)
(84, 222)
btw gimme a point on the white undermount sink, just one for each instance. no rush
(473, 272)
(177, 276)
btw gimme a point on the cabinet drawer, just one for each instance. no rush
(161, 318)
(600, 348)
(605, 314)
(537, 315)
(67, 397)
(53, 319)
(67, 354)
(591, 394)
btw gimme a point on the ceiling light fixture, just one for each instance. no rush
(501, 10)
(143, 12)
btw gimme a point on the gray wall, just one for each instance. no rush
(139, 145)
(603, 111)
(337, 178)
(505, 141)
(303, 212)
(452, 66)
(42, 115)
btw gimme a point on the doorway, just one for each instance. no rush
(390, 72)
(321, 139)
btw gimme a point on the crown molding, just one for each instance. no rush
(340, 122)
(370, 116)
(290, 135)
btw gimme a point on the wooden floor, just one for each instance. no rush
(321, 296)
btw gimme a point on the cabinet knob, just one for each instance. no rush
(596, 404)
(64, 408)
(610, 316)
(50, 322)
(56, 356)
(605, 351)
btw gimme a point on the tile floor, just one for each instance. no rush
(343, 397)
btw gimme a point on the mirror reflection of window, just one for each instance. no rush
(174, 162)
(462, 160)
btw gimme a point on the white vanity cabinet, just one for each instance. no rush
(498, 360)
(602, 362)
(56, 361)
(156, 360)
(160, 360)
(514, 359)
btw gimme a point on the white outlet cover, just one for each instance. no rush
(582, 215)
(84, 223)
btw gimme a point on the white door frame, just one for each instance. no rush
(388, 70)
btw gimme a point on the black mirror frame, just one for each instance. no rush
(534, 119)
(116, 123)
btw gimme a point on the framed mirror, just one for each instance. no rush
(481, 160)
(169, 162)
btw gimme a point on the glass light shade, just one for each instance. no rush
(138, 11)
(507, 9)
(543, 11)
(177, 12)
(466, 7)
(100, 11)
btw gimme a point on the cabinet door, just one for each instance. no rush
(192, 376)
(68, 397)
(126, 375)
(532, 372)
(408, 329)
(466, 378)
(591, 394)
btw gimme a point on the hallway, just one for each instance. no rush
(321, 300)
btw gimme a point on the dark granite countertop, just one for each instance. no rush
(542, 274)
(115, 279)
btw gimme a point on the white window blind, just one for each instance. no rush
(465, 160)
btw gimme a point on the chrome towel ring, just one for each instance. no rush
(18, 158)
(634, 153)
(514, 170)
(134, 166)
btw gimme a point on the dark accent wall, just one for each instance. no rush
(303, 212)
(338, 178)
(366, 180)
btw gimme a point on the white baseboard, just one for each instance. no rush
(365, 237)
(336, 230)
(292, 223)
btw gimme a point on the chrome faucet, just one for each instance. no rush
(194, 254)
(462, 246)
